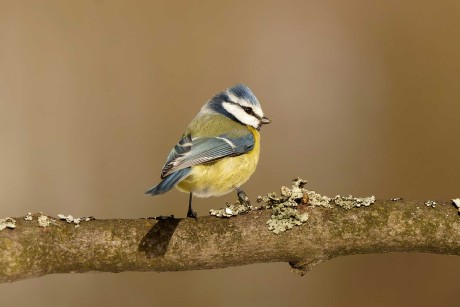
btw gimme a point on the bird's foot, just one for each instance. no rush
(243, 198)
(192, 213)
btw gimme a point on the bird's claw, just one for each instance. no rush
(192, 213)
(243, 198)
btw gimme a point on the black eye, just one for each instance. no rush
(247, 110)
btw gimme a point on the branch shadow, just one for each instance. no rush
(155, 242)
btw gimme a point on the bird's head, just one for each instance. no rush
(240, 104)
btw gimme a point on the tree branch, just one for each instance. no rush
(209, 242)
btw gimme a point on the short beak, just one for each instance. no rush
(265, 120)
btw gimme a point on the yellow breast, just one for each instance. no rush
(222, 176)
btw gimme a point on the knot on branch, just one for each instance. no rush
(302, 267)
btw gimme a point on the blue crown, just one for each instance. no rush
(243, 92)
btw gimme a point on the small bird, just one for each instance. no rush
(219, 150)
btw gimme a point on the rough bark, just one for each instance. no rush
(209, 242)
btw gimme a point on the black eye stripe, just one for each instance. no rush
(248, 110)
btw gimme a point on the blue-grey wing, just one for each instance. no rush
(180, 150)
(189, 152)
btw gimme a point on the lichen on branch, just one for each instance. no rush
(37, 244)
(284, 207)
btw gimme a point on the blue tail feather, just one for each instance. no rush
(169, 182)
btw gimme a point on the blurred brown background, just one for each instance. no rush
(364, 98)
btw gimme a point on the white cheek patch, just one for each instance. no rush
(258, 111)
(240, 115)
(256, 108)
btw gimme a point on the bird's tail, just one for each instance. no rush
(169, 182)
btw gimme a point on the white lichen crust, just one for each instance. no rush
(7, 222)
(456, 202)
(45, 221)
(75, 220)
(231, 210)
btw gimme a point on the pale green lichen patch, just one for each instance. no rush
(349, 202)
(28, 217)
(7, 222)
(44, 221)
(284, 218)
(294, 195)
(284, 207)
(344, 202)
(285, 214)
(318, 200)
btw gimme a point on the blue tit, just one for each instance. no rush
(219, 150)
